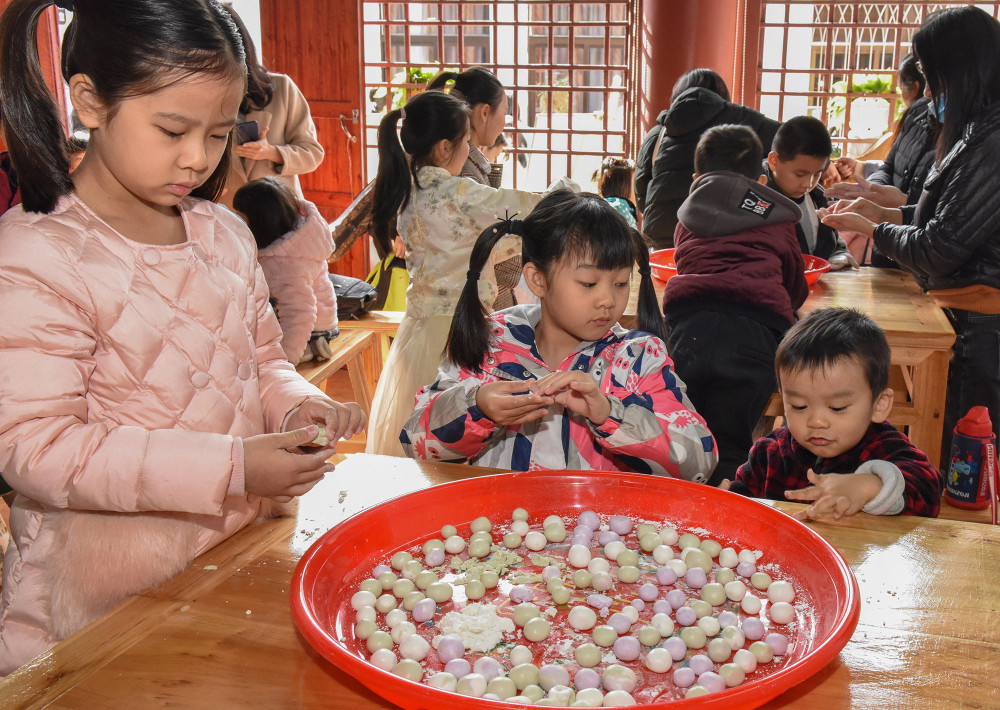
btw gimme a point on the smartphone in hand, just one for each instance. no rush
(247, 132)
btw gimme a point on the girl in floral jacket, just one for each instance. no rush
(560, 384)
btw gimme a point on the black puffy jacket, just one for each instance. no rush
(954, 240)
(912, 155)
(660, 188)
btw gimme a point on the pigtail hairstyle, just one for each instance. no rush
(469, 336)
(260, 87)
(271, 209)
(648, 315)
(32, 128)
(428, 118)
(563, 223)
(128, 48)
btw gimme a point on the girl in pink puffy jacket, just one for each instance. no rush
(293, 242)
(147, 410)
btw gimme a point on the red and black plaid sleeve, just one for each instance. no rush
(924, 484)
(774, 466)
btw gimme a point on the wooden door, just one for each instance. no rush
(318, 44)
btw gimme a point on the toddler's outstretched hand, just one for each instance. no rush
(578, 392)
(835, 494)
(341, 420)
(271, 469)
(507, 403)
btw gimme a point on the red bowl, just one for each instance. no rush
(663, 266)
(330, 571)
(661, 263)
(814, 268)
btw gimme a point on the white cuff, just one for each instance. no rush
(890, 500)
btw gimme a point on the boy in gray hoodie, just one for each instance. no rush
(740, 279)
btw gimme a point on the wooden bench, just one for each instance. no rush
(383, 326)
(350, 349)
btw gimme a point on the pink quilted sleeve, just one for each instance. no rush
(652, 423)
(50, 448)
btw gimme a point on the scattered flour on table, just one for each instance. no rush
(478, 626)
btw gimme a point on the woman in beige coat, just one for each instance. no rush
(287, 145)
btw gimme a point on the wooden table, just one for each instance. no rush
(918, 332)
(223, 637)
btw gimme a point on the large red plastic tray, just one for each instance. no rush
(330, 571)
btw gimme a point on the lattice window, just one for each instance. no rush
(567, 67)
(813, 53)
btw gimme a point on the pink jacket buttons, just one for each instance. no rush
(199, 379)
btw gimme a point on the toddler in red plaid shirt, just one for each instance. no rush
(837, 450)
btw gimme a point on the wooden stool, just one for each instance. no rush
(349, 349)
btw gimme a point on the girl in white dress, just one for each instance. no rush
(438, 215)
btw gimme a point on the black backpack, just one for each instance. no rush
(354, 296)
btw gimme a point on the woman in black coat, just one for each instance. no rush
(950, 240)
(665, 163)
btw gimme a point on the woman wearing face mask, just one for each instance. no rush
(900, 179)
(950, 240)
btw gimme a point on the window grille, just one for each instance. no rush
(567, 68)
(812, 54)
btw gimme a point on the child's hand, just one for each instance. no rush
(884, 195)
(847, 222)
(341, 421)
(835, 494)
(725, 485)
(507, 403)
(846, 167)
(843, 261)
(576, 391)
(272, 470)
(398, 248)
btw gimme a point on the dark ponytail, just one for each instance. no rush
(32, 127)
(440, 80)
(563, 223)
(428, 118)
(128, 48)
(648, 315)
(475, 85)
(469, 336)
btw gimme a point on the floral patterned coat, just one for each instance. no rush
(440, 224)
(653, 427)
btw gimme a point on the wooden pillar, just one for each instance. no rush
(680, 35)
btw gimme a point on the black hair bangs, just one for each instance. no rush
(592, 228)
